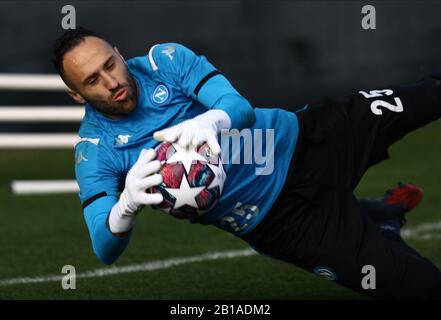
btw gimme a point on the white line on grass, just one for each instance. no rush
(142, 267)
(426, 231)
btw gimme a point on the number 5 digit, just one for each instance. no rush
(376, 93)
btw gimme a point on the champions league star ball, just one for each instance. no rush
(193, 179)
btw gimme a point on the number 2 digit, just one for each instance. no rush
(380, 103)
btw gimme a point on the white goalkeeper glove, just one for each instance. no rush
(196, 131)
(140, 177)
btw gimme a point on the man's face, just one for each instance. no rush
(97, 73)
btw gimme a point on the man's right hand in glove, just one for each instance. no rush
(142, 176)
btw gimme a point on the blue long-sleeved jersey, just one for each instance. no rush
(175, 85)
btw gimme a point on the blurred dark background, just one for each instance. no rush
(276, 53)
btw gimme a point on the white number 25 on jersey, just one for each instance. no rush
(375, 105)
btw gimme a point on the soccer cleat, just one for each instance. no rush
(404, 195)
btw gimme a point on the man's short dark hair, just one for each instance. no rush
(66, 42)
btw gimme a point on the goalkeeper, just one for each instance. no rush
(303, 212)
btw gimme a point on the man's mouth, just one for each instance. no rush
(121, 95)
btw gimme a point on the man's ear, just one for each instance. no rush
(76, 96)
(117, 51)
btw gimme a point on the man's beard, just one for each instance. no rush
(117, 109)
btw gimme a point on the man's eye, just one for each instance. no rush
(110, 66)
(93, 81)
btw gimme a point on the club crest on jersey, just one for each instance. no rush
(160, 95)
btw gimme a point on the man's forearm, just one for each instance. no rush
(238, 108)
(218, 93)
(107, 246)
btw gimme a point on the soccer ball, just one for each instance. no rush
(193, 179)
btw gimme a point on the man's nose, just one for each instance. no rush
(110, 82)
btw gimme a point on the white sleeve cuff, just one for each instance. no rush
(218, 117)
(119, 222)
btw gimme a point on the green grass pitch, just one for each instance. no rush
(40, 234)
